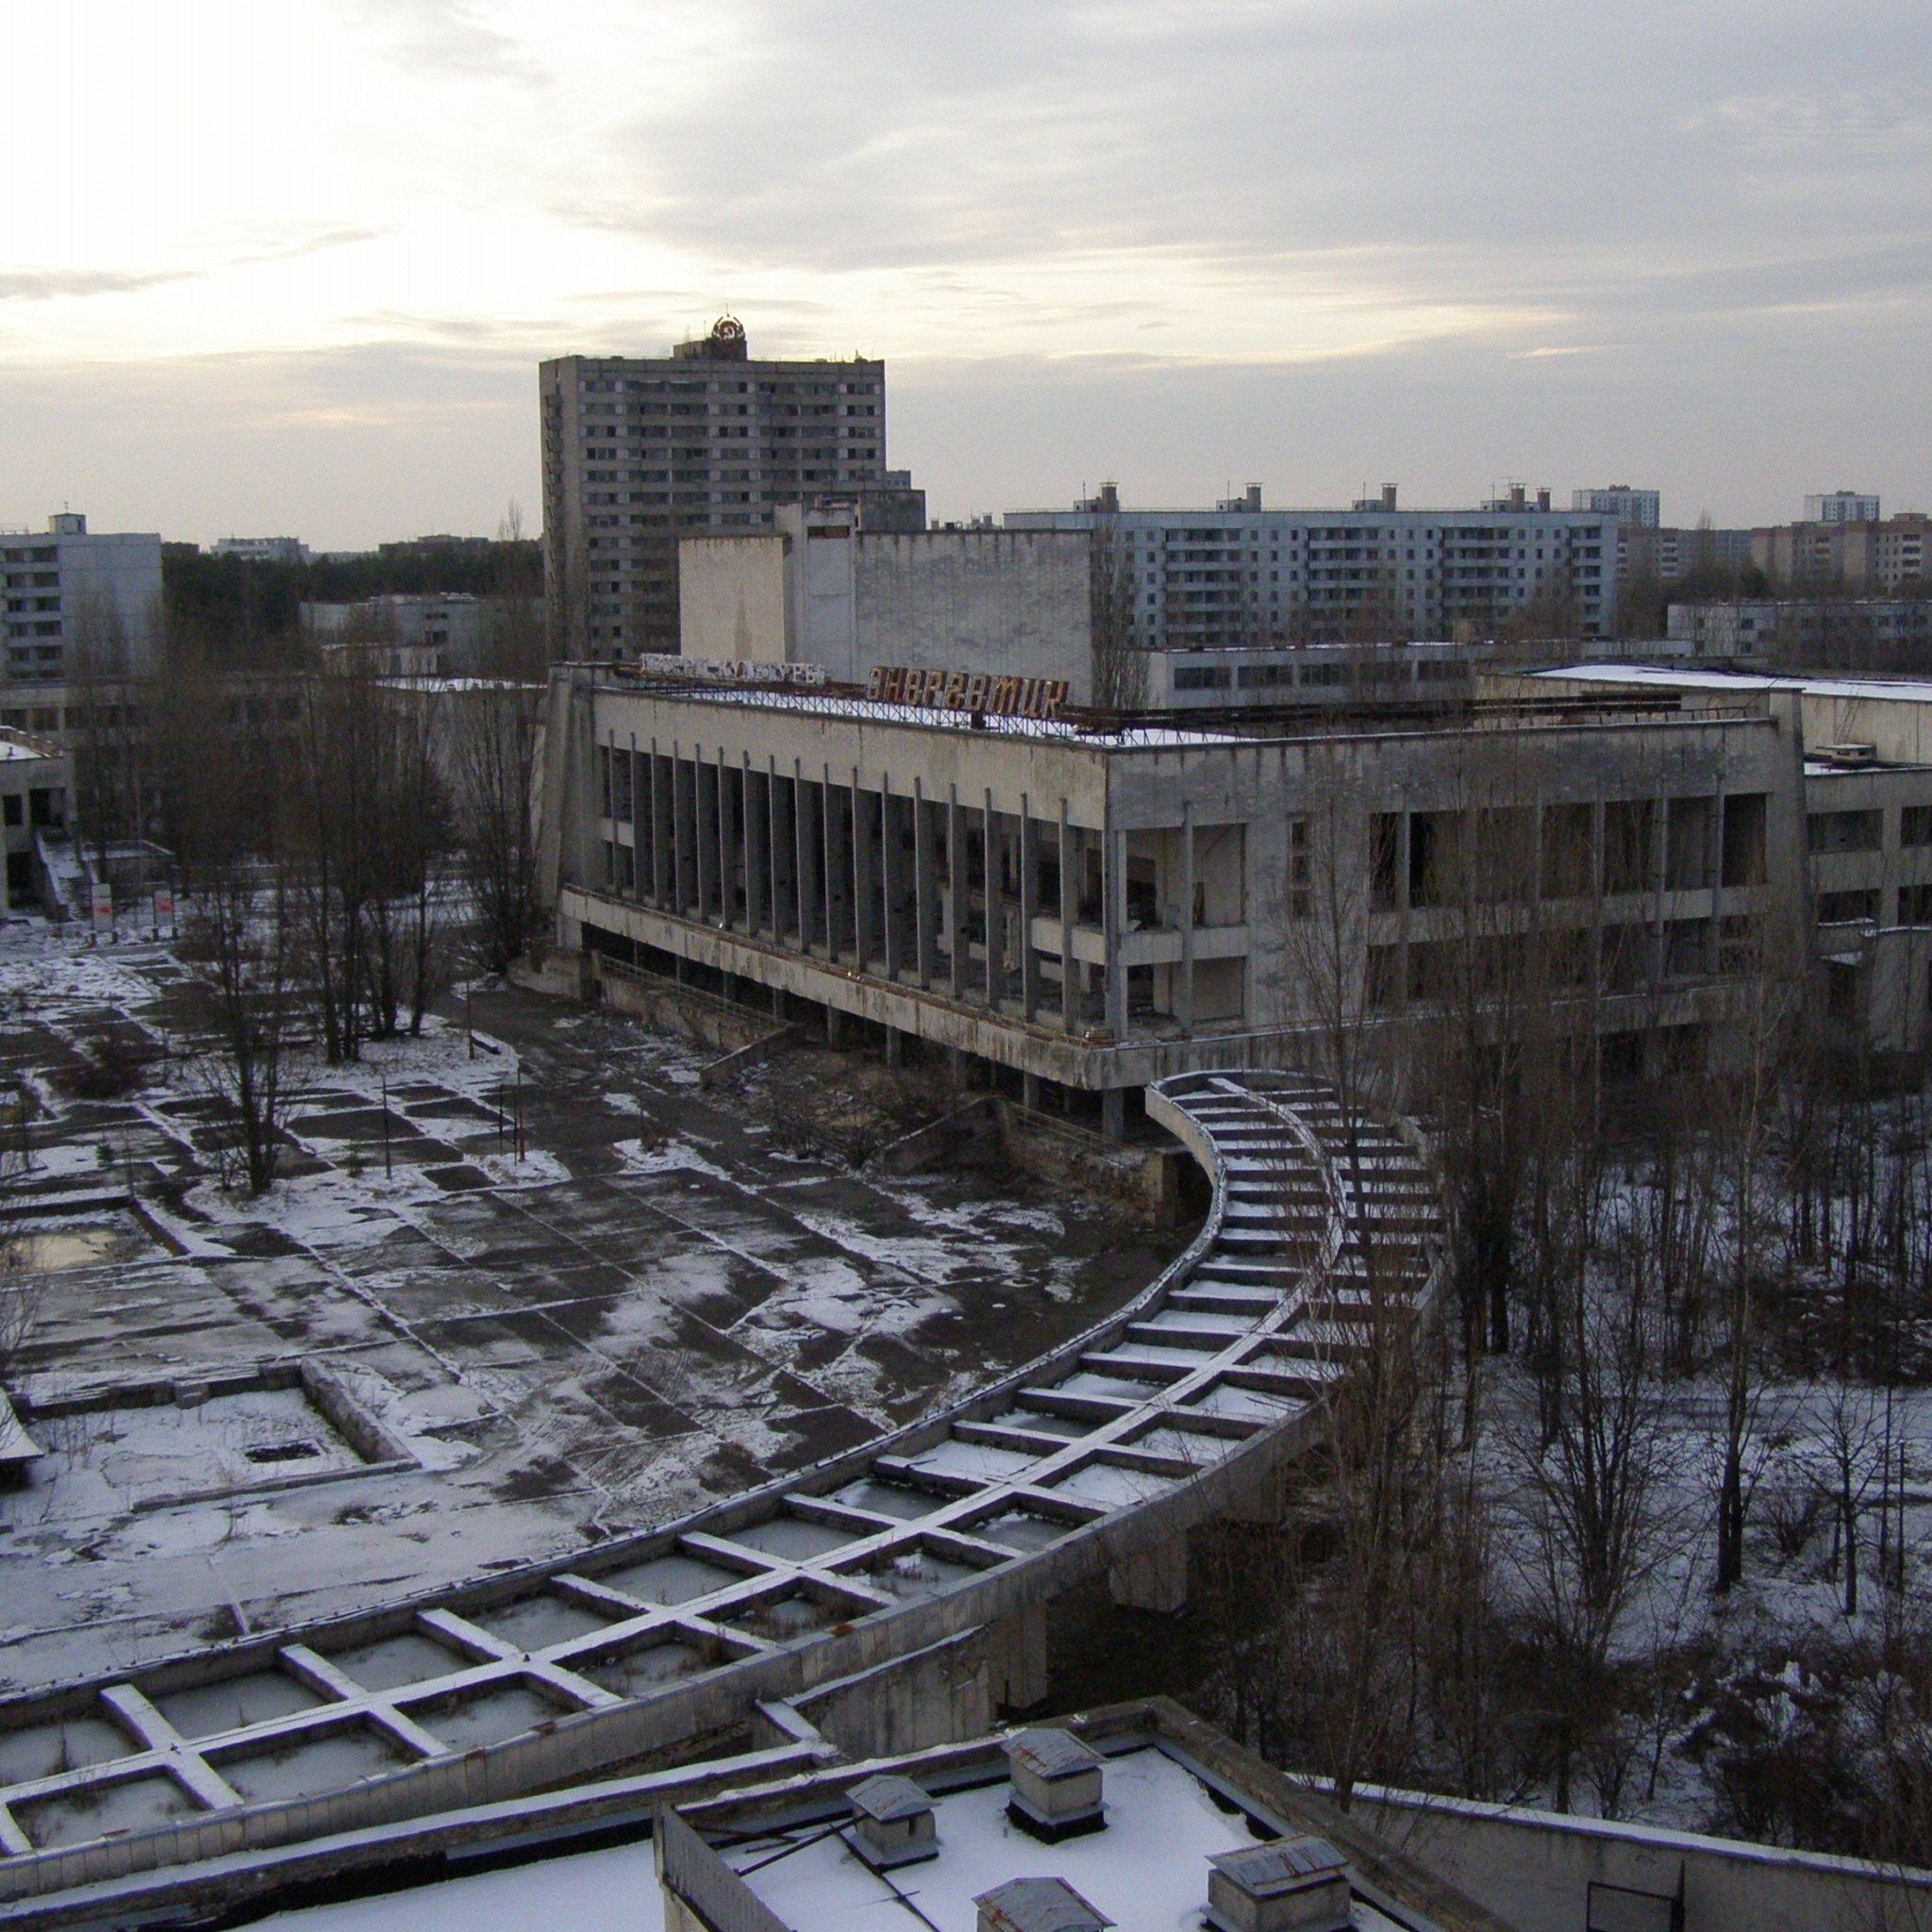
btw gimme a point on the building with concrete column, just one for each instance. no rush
(1090, 910)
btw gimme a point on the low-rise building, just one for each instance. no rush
(34, 778)
(1186, 1830)
(80, 605)
(1876, 633)
(1092, 907)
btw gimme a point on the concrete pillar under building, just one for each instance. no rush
(1184, 993)
(956, 892)
(925, 909)
(865, 936)
(895, 1047)
(1069, 915)
(1113, 1113)
(1029, 908)
(1154, 1579)
(991, 845)
(1030, 1091)
(1114, 894)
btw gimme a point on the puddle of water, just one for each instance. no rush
(73, 1247)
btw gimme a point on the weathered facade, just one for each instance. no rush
(821, 588)
(1865, 886)
(1099, 910)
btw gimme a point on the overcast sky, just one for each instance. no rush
(287, 266)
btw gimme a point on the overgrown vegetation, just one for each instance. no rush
(1631, 1523)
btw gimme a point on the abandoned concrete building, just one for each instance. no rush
(820, 588)
(1090, 906)
(1866, 883)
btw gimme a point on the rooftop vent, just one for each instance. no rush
(1056, 1782)
(1846, 753)
(1290, 1885)
(1038, 1905)
(893, 1823)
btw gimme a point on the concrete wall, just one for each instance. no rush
(1534, 1869)
(1011, 602)
(731, 598)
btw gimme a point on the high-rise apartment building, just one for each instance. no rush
(1639, 509)
(1240, 576)
(77, 604)
(1842, 507)
(640, 450)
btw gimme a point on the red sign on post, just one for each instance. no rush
(103, 906)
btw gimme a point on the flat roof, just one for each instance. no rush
(1166, 737)
(1905, 691)
(858, 710)
(1148, 1867)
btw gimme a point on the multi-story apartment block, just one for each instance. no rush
(1858, 556)
(80, 605)
(1667, 554)
(1842, 507)
(639, 450)
(1635, 509)
(1243, 575)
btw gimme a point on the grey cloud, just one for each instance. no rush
(50, 284)
(53, 284)
(1535, 136)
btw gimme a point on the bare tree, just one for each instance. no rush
(237, 943)
(494, 739)
(1120, 666)
(1589, 1492)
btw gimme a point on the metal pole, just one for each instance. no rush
(470, 1020)
(388, 1172)
(519, 1110)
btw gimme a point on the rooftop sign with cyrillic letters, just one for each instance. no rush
(968, 691)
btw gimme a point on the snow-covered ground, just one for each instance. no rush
(645, 1306)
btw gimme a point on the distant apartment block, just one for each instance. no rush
(1668, 554)
(1842, 507)
(263, 549)
(78, 604)
(1242, 576)
(639, 450)
(1857, 556)
(1634, 509)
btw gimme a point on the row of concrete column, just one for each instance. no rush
(822, 864)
